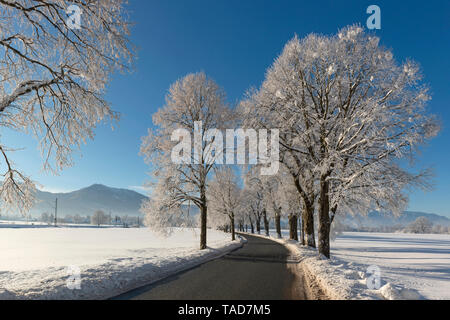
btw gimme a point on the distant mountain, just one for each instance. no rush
(87, 200)
(123, 202)
(378, 219)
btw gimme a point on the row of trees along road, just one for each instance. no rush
(350, 118)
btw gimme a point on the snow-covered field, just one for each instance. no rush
(412, 266)
(413, 261)
(37, 224)
(36, 263)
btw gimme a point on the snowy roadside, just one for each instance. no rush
(104, 274)
(343, 280)
(412, 266)
(339, 281)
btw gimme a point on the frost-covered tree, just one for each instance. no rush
(99, 217)
(246, 210)
(278, 200)
(216, 220)
(253, 201)
(258, 112)
(224, 196)
(241, 217)
(337, 227)
(52, 80)
(77, 219)
(420, 225)
(162, 214)
(264, 110)
(437, 228)
(273, 200)
(45, 217)
(292, 206)
(257, 200)
(194, 105)
(348, 114)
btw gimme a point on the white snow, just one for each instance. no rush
(37, 224)
(410, 263)
(34, 262)
(337, 280)
(412, 266)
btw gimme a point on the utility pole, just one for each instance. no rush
(56, 210)
(189, 207)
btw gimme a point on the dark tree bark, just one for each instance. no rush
(203, 213)
(295, 228)
(324, 218)
(308, 213)
(278, 224)
(293, 235)
(266, 222)
(258, 225)
(252, 227)
(291, 227)
(308, 228)
(233, 235)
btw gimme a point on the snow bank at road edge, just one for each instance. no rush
(106, 280)
(340, 280)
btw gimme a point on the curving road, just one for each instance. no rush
(261, 269)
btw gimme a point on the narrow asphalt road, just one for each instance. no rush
(261, 269)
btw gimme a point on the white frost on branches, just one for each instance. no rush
(191, 99)
(52, 80)
(348, 114)
(224, 197)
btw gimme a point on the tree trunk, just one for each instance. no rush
(203, 213)
(258, 225)
(278, 225)
(324, 218)
(302, 234)
(308, 225)
(233, 236)
(266, 222)
(307, 215)
(252, 227)
(293, 227)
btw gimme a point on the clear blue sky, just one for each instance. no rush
(234, 41)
